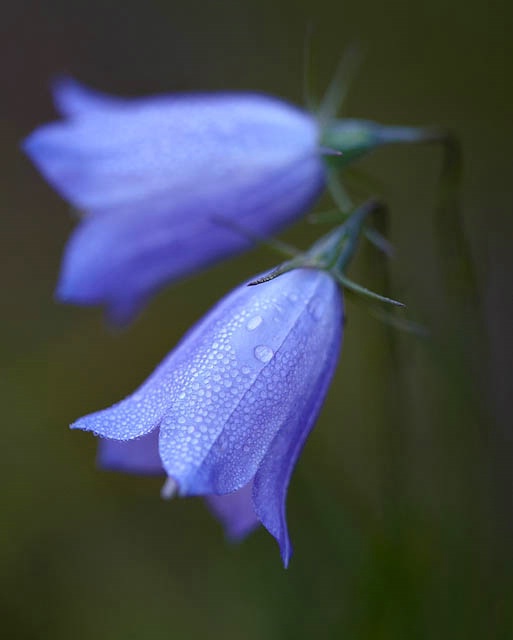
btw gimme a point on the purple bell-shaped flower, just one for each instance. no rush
(230, 408)
(164, 184)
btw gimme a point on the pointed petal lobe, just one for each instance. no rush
(273, 477)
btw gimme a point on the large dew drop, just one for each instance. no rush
(255, 322)
(316, 307)
(263, 353)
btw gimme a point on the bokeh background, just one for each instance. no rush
(400, 508)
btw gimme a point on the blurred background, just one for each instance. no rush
(400, 509)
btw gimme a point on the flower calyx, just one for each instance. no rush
(333, 253)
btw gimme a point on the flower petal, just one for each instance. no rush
(273, 476)
(140, 456)
(74, 99)
(138, 414)
(165, 181)
(235, 512)
(122, 260)
(199, 356)
(167, 147)
(251, 374)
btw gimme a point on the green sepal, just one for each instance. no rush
(363, 291)
(344, 203)
(340, 84)
(333, 253)
(390, 318)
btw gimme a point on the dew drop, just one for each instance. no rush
(316, 307)
(263, 353)
(255, 322)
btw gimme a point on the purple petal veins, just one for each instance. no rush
(234, 402)
(156, 177)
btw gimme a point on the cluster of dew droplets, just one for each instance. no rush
(261, 351)
(218, 407)
(212, 382)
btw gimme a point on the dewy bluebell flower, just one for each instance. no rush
(227, 413)
(162, 181)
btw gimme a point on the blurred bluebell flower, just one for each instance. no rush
(230, 408)
(160, 179)
(168, 185)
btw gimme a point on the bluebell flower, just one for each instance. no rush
(162, 180)
(168, 185)
(227, 413)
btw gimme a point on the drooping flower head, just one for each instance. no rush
(170, 184)
(233, 403)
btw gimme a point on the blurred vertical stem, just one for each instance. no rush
(466, 338)
(395, 405)
(457, 267)
(469, 329)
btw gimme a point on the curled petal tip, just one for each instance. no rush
(73, 98)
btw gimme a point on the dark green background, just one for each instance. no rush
(400, 509)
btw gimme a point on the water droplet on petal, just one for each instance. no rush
(316, 307)
(263, 353)
(255, 322)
